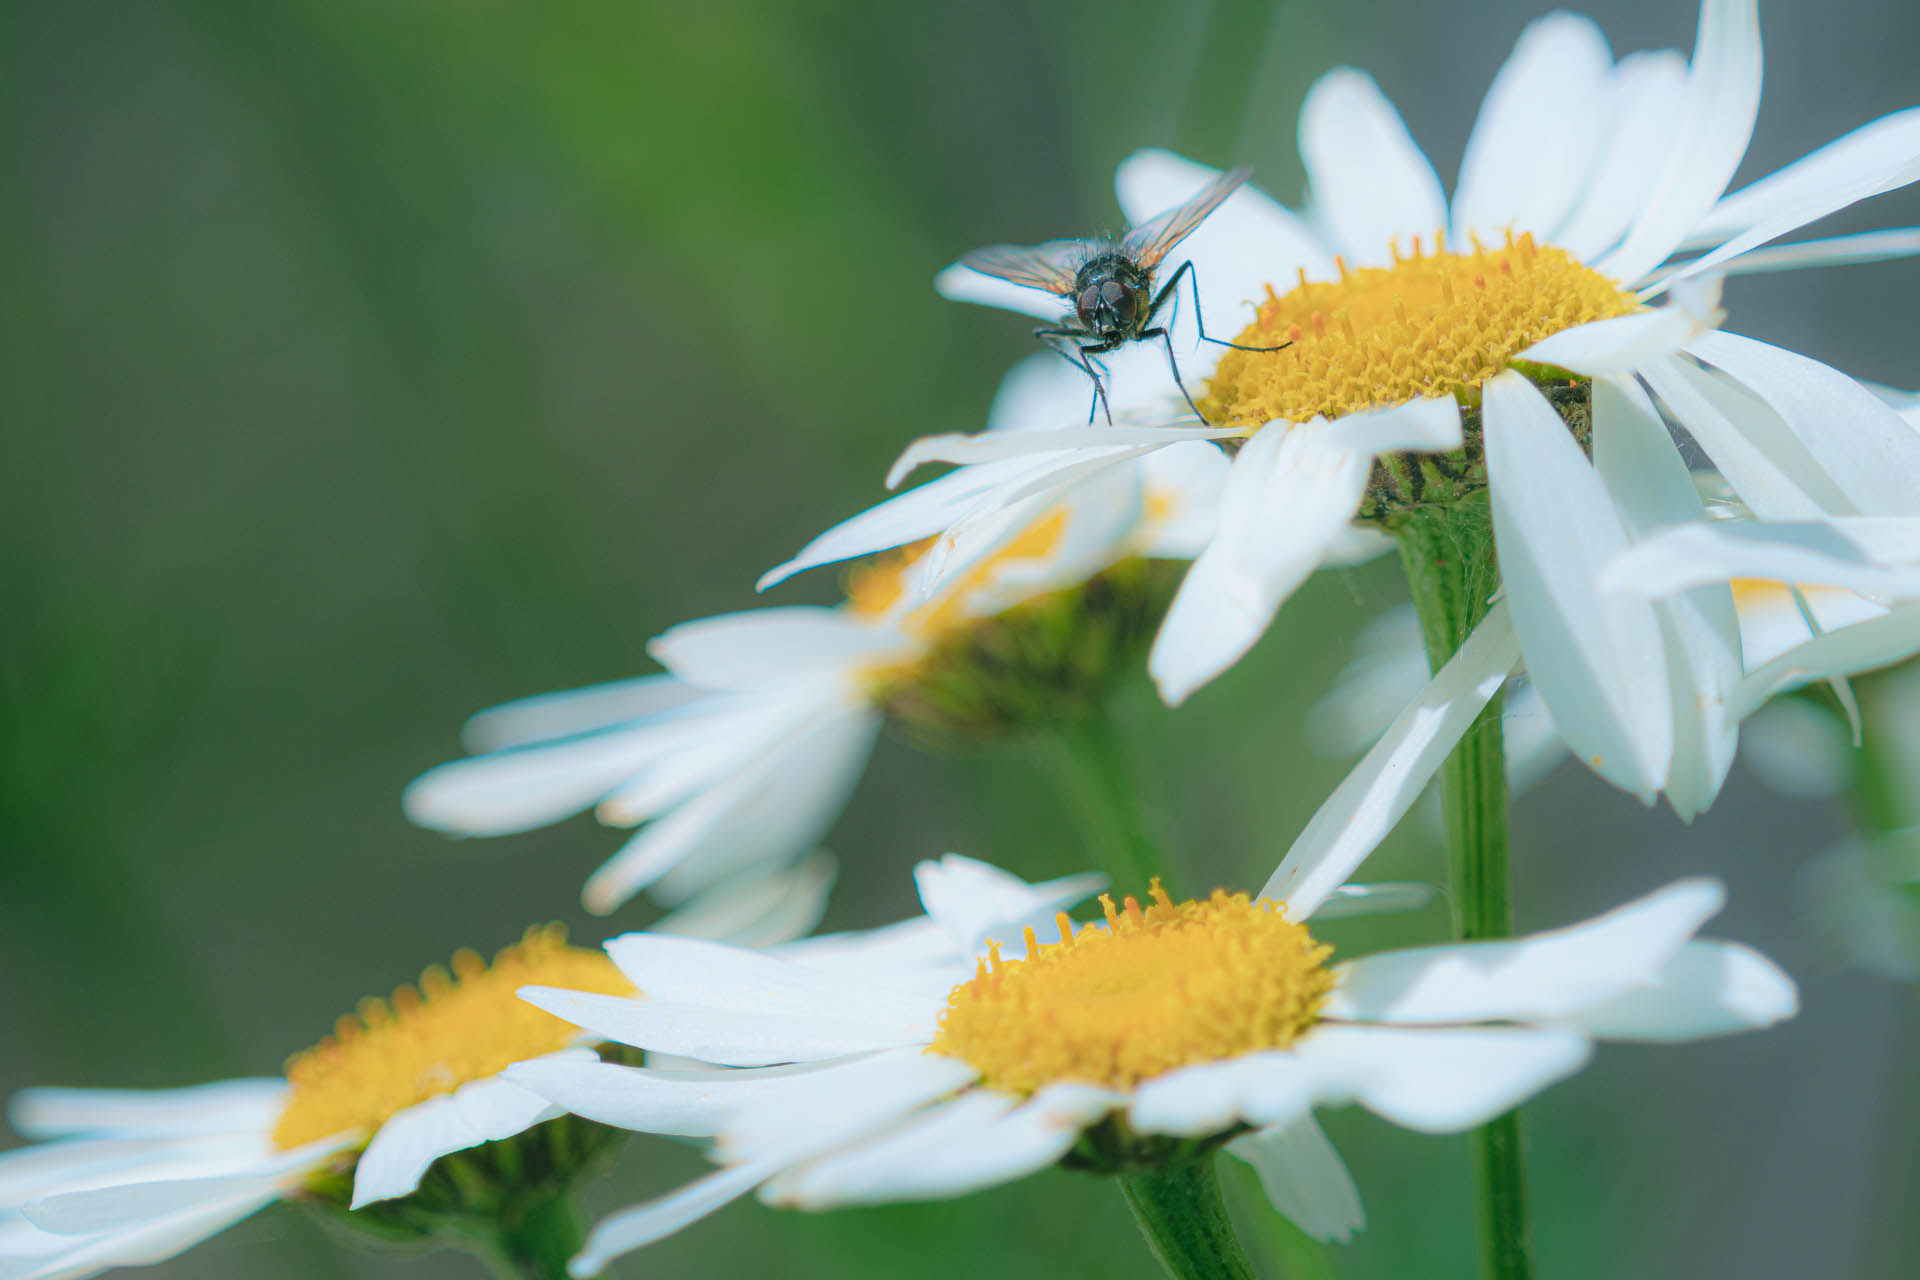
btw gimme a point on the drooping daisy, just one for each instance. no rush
(743, 754)
(1502, 347)
(1139, 1042)
(369, 1120)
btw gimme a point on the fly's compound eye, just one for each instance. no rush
(1088, 303)
(1118, 299)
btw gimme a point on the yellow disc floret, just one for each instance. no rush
(453, 1029)
(1429, 325)
(1169, 986)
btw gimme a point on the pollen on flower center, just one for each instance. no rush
(1169, 986)
(1429, 325)
(455, 1028)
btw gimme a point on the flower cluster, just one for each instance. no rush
(1501, 383)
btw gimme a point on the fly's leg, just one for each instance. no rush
(1060, 342)
(1199, 320)
(1167, 340)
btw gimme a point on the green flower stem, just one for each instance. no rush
(1185, 1222)
(1093, 764)
(536, 1242)
(1447, 552)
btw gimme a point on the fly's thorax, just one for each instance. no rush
(1051, 659)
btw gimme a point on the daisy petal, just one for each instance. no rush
(1259, 1088)
(1544, 977)
(1374, 797)
(1304, 1178)
(1867, 449)
(726, 978)
(1706, 989)
(1852, 553)
(1440, 1081)
(1711, 133)
(548, 716)
(1620, 345)
(971, 899)
(731, 1037)
(229, 1105)
(621, 1233)
(1834, 251)
(761, 907)
(1864, 646)
(1644, 93)
(755, 646)
(1372, 185)
(1538, 133)
(1745, 440)
(1648, 480)
(829, 1109)
(1599, 662)
(687, 1104)
(1877, 152)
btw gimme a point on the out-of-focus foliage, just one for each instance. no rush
(368, 363)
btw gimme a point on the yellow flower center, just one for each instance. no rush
(875, 588)
(1157, 989)
(1429, 325)
(455, 1028)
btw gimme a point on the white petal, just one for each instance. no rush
(777, 807)
(918, 513)
(1877, 556)
(1440, 1080)
(758, 646)
(1371, 183)
(972, 900)
(130, 1204)
(525, 787)
(964, 284)
(1648, 480)
(1877, 642)
(1003, 446)
(546, 716)
(148, 1242)
(1183, 484)
(1351, 900)
(230, 1106)
(1833, 251)
(1373, 798)
(1598, 661)
(1258, 1088)
(1711, 133)
(1874, 158)
(1304, 1177)
(1707, 989)
(1538, 134)
(1544, 977)
(694, 971)
(702, 750)
(1770, 471)
(1644, 95)
(630, 1229)
(829, 1109)
(410, 1140)
(1620, 345)
(761, 907)
(730, 1037)
(1290, 493)
(977, 1140)
(1870, 452)
(687, 1104)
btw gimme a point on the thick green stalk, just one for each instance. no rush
(536, 1244)
(1094, 766)
(1448, 555)
(1185, 1222)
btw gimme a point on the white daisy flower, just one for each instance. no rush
(743, 754)
(126, 1177)
(1421, 327)
(1156, 1035)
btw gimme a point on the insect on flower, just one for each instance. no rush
(1110, 286)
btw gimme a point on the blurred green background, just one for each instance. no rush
(367, 364)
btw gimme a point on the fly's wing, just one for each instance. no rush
(1050, 266)
(1153, 240)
